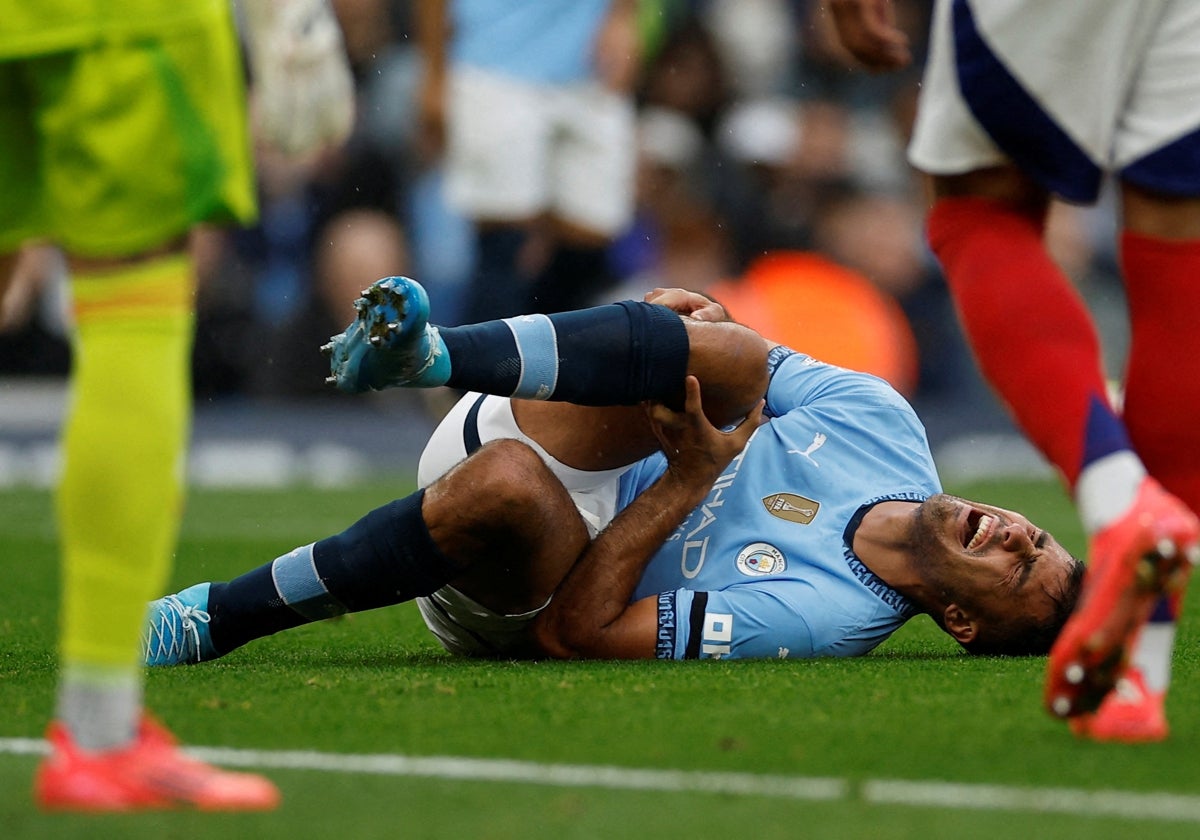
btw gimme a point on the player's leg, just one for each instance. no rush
(609, 355)
(1036, 344)
(727, 358)
(484, 528)
(120, 495)
(499, 284)
(1160, 251)
(1160, 259)
(124, 441)
(1030, 332)
(1154, 150)
(119, 502)
(613, 355)
(1033, 336)
(576, 274)
(497, 140)
(592, 187)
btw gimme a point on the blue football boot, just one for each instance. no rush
(176, 631)
(390, 342)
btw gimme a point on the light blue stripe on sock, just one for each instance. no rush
(300, 587)
(537, 347)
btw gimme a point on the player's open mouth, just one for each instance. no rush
(979, 527)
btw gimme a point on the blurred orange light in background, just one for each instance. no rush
(827, 311)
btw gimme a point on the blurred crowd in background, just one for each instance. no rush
(770, 174)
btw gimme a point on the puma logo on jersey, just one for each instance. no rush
(792, 507)
(817, 442)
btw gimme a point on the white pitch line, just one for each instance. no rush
(24, 746)
(1152, 805)
(501, 770)
(529, 772)
(1155, 806)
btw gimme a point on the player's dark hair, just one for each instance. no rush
(1030, 637)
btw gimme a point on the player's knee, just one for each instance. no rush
(730, 360)
(500, 492)
(1164, 216)
(506, 504)
(510, 473)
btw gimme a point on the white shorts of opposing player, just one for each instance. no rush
(1120, 79)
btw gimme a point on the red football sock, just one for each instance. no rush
(1162, 385)
(1031, 333)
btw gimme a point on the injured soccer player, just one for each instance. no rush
(645, 480)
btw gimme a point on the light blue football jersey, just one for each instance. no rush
(547, 41)
(764, 567)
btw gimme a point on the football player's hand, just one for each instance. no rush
(689, 304)
(867, 28)
(303, 90)
(696, 450)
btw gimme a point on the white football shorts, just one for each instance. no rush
(460, 624)
(467, 628)
(1068, 90)
(516, 149)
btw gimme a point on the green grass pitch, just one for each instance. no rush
(914, 741)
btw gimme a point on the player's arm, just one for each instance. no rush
(617, 48)
(433, 37)
(590, 615)
(867, 28)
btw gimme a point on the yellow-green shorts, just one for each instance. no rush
(119, 147)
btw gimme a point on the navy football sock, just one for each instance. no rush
(616, 354)
(385, 558)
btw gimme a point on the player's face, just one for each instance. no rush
(992, 559)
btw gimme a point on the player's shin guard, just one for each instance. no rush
(385, 558)
(119, 499)
(1029, 330)
(1162, 386)
(616, 354)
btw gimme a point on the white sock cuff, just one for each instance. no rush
(1107, 487)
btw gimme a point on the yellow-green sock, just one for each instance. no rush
(119, 498)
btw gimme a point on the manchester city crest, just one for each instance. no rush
(760, 559)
